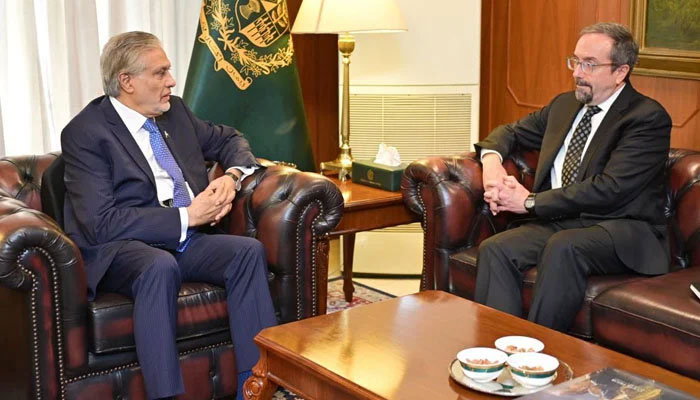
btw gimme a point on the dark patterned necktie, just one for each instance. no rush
(181, 197)
(572, 160)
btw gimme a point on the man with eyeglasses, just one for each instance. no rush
(596, 206)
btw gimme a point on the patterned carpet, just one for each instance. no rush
(336, 302)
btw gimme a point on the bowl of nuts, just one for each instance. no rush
(518, 344)
(532, 369)
(482, 364)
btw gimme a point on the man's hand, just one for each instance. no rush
(213, 203)
(224, 189)
(512, 195)
(492, 177)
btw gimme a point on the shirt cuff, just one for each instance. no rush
(245, 172)
(487, 151)
(184, 221)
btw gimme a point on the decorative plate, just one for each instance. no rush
(505, 385)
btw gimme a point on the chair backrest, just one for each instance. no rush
(53, 190)
(20, 177)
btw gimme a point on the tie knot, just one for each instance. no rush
(150, 126)
(593, 110)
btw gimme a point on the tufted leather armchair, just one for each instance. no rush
(625, 312)
(54, 344)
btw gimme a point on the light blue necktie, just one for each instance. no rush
(181, 197)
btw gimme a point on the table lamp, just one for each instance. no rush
(346, 17)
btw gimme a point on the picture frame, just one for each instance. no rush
(662, 32)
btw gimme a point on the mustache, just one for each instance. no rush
(581, 82)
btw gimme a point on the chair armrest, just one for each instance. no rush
(291, 213)
(43, 291)
(447, 193)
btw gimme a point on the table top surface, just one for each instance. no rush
(358, 196)
(401, 348)
(368, 208)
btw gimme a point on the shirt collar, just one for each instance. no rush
(605, 106)
(132, 119)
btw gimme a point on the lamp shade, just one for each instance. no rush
(351, 16)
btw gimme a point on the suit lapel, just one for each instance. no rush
(602, 133)
(554, 138)
(125, 138)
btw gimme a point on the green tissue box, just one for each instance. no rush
(378, 175)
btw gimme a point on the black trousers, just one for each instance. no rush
(565, 252)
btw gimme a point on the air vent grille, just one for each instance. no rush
(418, 125)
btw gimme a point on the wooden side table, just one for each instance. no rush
(366, 208)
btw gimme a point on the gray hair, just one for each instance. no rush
(122, 54)
(625, 50)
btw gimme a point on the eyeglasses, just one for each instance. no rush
(586, 66)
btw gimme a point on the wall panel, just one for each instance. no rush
(524, 43)
(317, 59)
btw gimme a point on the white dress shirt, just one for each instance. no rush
(557, 166)
(164, 183)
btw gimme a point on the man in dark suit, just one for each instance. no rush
(138, 204)
(597, 201)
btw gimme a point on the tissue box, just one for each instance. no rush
(378, 175)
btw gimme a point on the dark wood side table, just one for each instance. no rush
(366, 208)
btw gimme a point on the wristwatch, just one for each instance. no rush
(235, 178)
(530, 204)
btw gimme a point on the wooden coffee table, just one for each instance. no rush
(366, 208)
(401, 349)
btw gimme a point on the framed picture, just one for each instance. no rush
(668, 33)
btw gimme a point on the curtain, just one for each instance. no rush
(50, 69)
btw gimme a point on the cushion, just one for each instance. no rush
(201, 311)
(655, 319)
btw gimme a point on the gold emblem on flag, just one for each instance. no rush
(244, 34)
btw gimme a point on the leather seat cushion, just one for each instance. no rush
(201, 311)
(657, 320)
(462, 272)
(463, 281)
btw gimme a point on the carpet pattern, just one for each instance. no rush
(336, 302)
(363, 295)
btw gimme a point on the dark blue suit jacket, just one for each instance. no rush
(110, 190)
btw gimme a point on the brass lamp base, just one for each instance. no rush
(342, 164)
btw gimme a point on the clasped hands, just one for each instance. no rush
(502, 192)
(209, 206)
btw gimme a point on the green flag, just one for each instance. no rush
(243, 73)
